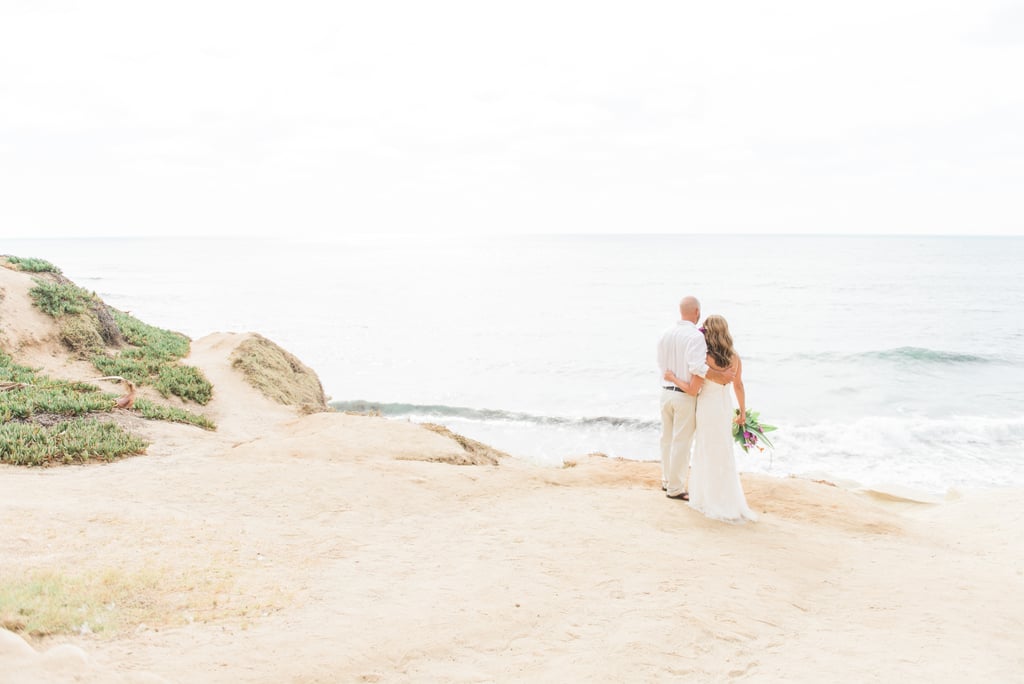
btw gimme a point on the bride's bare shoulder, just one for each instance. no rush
(714, 365)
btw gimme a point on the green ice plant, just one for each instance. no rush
(153, 353)
(173, 414)
(31, 265)
(158, 343)
(58, 299)
(73, 441)
(152, 360)
(46, 421)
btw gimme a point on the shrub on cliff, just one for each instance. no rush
(31, 265)
(279, 374)
(89, 327)
(46, 421)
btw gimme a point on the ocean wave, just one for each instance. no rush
(871, 433)
(928, 452)
(931, 355)
(891, 430)
(920, 355)
(394, 410)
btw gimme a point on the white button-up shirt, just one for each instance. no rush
(684, 351)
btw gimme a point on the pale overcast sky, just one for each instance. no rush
(313, 119)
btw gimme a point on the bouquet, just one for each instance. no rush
(751, 433)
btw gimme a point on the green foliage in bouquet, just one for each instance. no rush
(751, 433)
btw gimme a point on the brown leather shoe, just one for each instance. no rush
(685, 496)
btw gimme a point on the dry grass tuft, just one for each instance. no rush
(477, 453)
(90, 331)
(111, 602)
(105, 602)
(371, 413)
(279, 375)
(80, 334)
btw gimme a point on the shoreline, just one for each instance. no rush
(522, 440)
(882, 488)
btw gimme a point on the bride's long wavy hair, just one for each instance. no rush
(716, 332)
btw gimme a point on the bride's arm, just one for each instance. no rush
(691, 388)
(741, 394)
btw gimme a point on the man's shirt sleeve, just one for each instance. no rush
(697, 356)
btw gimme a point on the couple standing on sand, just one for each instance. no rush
(697, 366)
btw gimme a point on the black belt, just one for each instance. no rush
(675, 389)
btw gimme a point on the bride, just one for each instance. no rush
(715, 488)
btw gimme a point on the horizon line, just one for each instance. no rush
(387, 236)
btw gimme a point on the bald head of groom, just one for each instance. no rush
(689, 309)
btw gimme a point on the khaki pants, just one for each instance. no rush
(678, 422)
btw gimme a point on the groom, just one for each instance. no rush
(682, 350)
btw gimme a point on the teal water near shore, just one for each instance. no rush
(881, 359)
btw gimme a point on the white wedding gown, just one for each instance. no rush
(715, 488)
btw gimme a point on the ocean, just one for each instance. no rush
(882, 360)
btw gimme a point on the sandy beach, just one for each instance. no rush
(287, 547)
